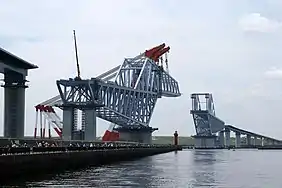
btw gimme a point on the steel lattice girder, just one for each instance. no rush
(206, 123)
(145, 75)
(129, 100)
(79, 93)
(117, 104)
(202, 124)
(125, 106)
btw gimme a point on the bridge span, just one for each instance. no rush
(250, 140)
(212, 132)
(125, 96)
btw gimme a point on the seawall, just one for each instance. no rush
(26, 165)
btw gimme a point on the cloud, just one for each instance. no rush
(273, 73)
(256, 22)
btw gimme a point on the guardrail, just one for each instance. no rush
(32, 150)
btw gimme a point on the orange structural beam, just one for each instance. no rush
(156, 52)
(159, 53)
(151, 52)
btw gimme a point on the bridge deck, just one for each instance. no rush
(242, 131)
(14, 61)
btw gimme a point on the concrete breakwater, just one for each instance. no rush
(24, 163)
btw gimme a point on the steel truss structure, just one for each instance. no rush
(125, 95)
(203, 113)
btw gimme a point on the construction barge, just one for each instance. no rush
(29, 162)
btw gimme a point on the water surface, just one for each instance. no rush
(187, 168)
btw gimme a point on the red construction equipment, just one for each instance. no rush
(110, 134)
(156, 52)
(49, 116)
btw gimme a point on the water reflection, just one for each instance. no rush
(129, 174)
(183, 169)
(204, 172)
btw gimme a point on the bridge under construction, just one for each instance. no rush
(212, 132)
(125, 96)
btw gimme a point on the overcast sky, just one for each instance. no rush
(230, 48)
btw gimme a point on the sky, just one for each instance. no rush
(228, 48)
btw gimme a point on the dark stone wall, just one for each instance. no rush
(13, 167)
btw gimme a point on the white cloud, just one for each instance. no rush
(258, 23)
(273, 73)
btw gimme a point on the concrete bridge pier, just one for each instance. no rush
(249, 140)
(262, 141)
(255, 140)
(90, 125)
(14, 104)
(142, 135)
(259, 141)
(68, 123)
(221, 138)
(238, 139)
(15, 71)
(227, 137)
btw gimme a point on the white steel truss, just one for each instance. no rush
(128, 100)
(203, 113)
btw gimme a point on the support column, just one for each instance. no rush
(227, 138)
(249, 140)
(262, 141)
(259, 141)
(255, 140)
(14, 104)
(142, 135)
(238, 139)
(67, 123)
(221, 138)
(90, 125)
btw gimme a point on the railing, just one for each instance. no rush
(34, 150)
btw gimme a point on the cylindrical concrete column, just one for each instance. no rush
(227, 138)
(255, 140)
(238, 139)
(249, 140)
(221, 138)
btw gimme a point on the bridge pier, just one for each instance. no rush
(68, 123)
(14, 104)
(205, 141)
(238, 139)
(249, 140)
(140, 134)
(90, 125)
(257, 141)
(227, 137)
(221, 138)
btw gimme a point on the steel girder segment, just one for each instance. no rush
(202, 124)
(206, 123)
(54, 101)
(129, 106)
(117, 104)
(79, 93)
(170, 87)
(145, 75)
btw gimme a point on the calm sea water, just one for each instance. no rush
(187, 168)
